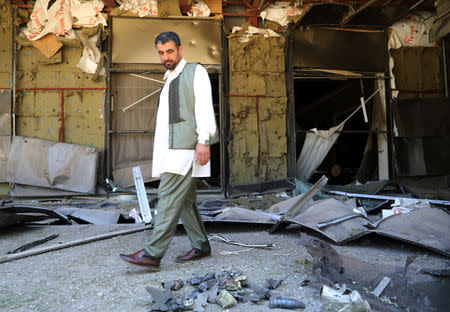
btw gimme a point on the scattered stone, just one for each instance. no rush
(203, 286)
(188, 304)
(194, 281)
(200, 302)
(273, 284)
(305, 283)
(194, 294)
(263, 293)
(175, 306)
(225, 300)
(212, 293)
(160, 298)
(173, 285)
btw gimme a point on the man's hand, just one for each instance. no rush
(202, 154)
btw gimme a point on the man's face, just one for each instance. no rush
(169, 54)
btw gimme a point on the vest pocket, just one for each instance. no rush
(183, 135)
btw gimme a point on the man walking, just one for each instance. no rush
(184, 126)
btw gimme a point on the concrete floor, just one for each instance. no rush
(91, 277)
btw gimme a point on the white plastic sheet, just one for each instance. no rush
(316, 146)
(91, 54)
(140, 7)
(59, 17)
(280, 11)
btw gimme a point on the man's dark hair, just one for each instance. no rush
(167, 36)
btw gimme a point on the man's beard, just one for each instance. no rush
(170, 65)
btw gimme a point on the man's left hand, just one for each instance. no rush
(202, 154)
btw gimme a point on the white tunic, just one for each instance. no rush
(179, 161)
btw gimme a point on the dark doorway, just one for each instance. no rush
(325, 103)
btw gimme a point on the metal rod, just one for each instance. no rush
(148, 78)
(228, 241)
(140, 100)
(357, 195)
(435, 91)
(416, 5)
(37, 251)
(444, 52)
(350, 131)
(248, 4)
(62, 115)
(260, 5)
(130, 131)
(361, 8)
(13, 75)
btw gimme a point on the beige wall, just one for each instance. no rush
(258, 122)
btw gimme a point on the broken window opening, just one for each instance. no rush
(325, 103)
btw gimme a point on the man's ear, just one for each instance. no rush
(180, 49)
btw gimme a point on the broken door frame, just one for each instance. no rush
(152, 68)
(385, 159)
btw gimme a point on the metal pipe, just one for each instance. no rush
(130, 131)
(357, 195)
(416, 5)
(148, 78)
(248, 4)
(444, 52)
(13, 75)
(62, 115)
(361, 8)
(260, 5)
(140, 100)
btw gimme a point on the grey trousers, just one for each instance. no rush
(177, 196)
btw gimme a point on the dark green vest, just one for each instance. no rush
(182, 125)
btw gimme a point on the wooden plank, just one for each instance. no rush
(77, 242)
(48, 45)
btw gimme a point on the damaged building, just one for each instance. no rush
(369, 79)
(330, 114)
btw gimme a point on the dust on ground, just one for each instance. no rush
(91, 277)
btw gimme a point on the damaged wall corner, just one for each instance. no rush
(258, 103)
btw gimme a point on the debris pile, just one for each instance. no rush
(226, 289)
